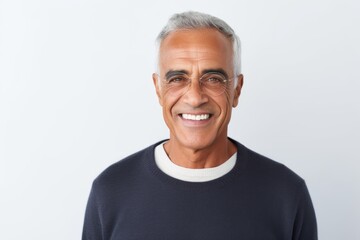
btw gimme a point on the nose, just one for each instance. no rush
(194, 95)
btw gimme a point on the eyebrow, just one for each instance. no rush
(216, 70)
(172, 73)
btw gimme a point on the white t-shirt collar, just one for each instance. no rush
(188, 174)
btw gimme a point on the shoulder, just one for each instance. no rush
(125, 170)
(273, 184)
(267, 172)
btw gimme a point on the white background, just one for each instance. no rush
(76, 95)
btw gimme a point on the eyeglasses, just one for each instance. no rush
(212, 83)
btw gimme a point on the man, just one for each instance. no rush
(198, 184)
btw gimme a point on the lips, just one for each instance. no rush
(195, 117)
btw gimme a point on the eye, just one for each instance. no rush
(177, 79)
(213, 79)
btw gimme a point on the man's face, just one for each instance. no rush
(195, 118)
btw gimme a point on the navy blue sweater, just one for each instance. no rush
(258, 199)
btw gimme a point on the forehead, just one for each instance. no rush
(200, 47)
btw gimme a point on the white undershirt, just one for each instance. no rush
(189, 174)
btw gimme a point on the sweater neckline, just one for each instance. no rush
(238, 169)
(191, 175)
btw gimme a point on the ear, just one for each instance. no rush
(156, 82)
(237, 91)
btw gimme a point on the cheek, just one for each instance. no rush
(230, 98)
(224, 104)
(168, 101)
(226, 101)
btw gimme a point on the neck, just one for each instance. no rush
(209, 157)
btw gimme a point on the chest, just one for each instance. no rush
(207, 214)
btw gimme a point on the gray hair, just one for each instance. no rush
(196, 20)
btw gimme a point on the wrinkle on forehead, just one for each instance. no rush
(194, 61)
(193, 53)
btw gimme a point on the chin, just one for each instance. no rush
(196, 142)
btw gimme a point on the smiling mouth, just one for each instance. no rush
(195, 117)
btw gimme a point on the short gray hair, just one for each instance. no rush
(196, 20)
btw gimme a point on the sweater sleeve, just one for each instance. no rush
(92, 229)
(305, 227)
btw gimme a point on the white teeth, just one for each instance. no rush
(195, 117)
